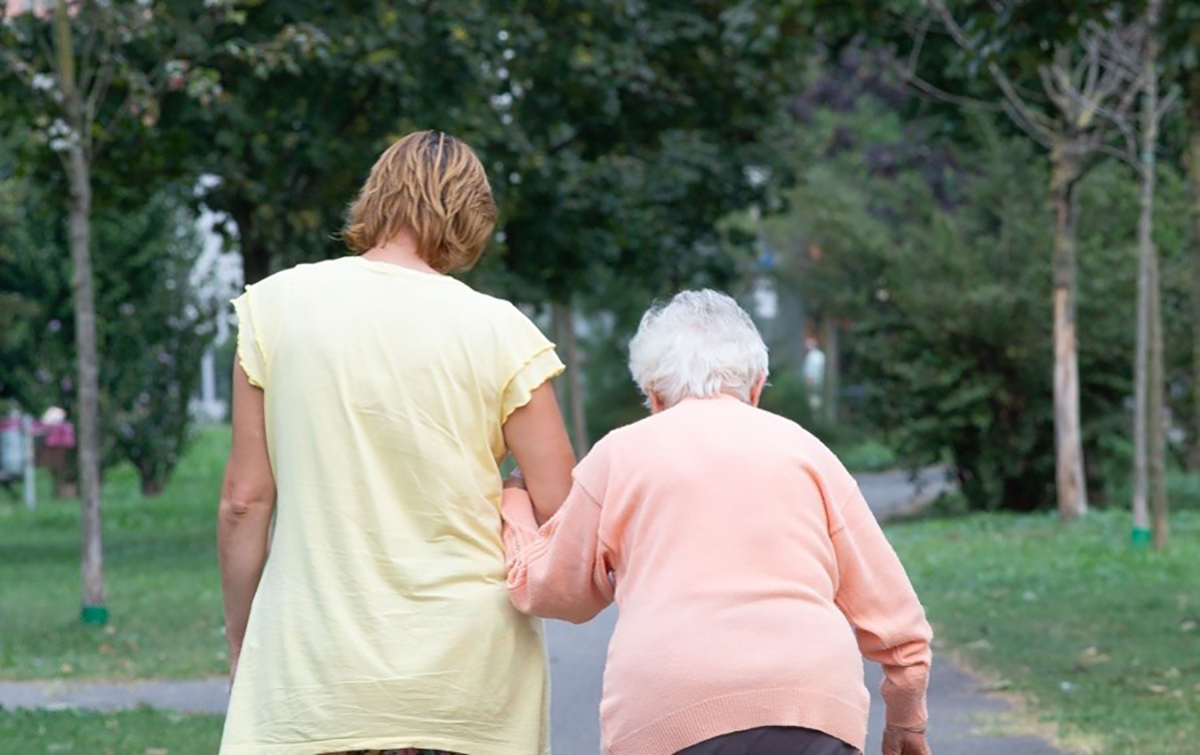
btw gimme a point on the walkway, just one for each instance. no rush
(958, 703)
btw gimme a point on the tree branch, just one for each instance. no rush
(1031, 122)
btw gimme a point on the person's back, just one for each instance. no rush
(729, 538)
(750, 574)
(718, 517)
(381, 618)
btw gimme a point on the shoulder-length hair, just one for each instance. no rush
(434, 186)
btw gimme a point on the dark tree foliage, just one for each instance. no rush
(152, 328)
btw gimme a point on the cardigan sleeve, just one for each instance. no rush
(876, 596)
(560, 571)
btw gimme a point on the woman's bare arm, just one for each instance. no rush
(244, 516)
(537, 438)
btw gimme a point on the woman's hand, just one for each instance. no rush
(901, 740)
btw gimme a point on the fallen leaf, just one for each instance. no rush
(1092, 656)
(66, 668)
(1157, 689)
(1187, 626)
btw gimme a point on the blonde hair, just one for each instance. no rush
(700, 344)
(433, 185)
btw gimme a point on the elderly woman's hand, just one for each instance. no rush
(901, 740)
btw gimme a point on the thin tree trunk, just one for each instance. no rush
(1155, 377)
(1071, 485)
(1193, 173)
(830, 385)
(564, 318)
(256, 257)
(1141, 515)
(82, 286)
(1141, 348)
(1156, 445)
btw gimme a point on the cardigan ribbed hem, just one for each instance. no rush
(745, 710)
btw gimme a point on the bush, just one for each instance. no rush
(151, 328)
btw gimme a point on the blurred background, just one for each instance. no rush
(970, 232)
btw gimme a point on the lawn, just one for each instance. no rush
(164, 591)
(1101, 641)
(140, 732)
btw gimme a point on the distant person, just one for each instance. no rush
(814, 373)
(750, 575)
(374, 399)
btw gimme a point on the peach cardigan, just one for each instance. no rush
(750, 575)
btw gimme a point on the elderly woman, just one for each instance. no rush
(749, 572)
(374, 399)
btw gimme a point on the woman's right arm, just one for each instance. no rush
(561, 570)
(877, 598)
(537, 438)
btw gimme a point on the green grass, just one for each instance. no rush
(1103, 642)
(161, 573)
(140, 732)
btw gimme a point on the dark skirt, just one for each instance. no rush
(772, 740)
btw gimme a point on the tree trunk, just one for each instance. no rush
(78, 168)
(256, 263)
(89, 386)
(1193, 174)
(256, 256)
(1141, 516)
(1155, 376)
(564, 325)
(1071, 486)
(1141, 349)
(1156, 444)
(830, 385)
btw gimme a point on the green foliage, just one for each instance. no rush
(1099, 639)
(939, 256)
(152, 328)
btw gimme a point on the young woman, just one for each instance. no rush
(374, 400)
(750, 574)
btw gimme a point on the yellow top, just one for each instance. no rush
(382, 619)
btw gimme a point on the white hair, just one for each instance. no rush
(700, 344)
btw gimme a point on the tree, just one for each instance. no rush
(1191, 80)
(1142, 149)
(616, 172)
(84, 75)
(930, 222)
(73, 89)
(1080, 84)
(612, 179)
(151, 326)
(299, 96)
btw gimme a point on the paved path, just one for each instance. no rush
(956, 701)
